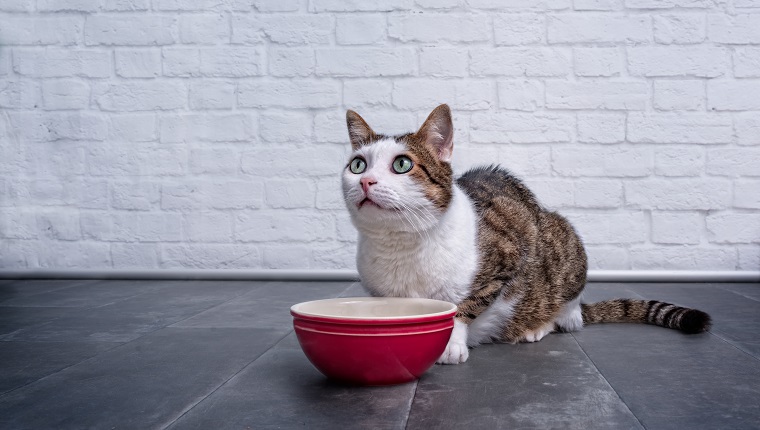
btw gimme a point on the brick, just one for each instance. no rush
(68, 5)
(233, 62)
(699, 61)
(283, 226)
(611, 161)
(747, 62)
(329, 194)
(295, 94)
(140, 95)
(18, 224)
(124, 5)
(667, 4)
(19, 94)
(202, 5)
(601, 127)
(130, 30)
(358, 6)
(221, 194)
(607, 258)
(54, 159)
(521, 94)
(598, 194)
(733, 228)
(210, 256)
(345, 229)
(366, 62)
(597, 94)
(313, 161)
(70, 255)
(747, 129)
(679, 95)
(138, 63)
(444, 62)
(290, 62)
(734, 29)
(287, 257)
(207, 227)
(424, 94)
(509, 127)
(611, 227)
(341, 256)
(438, 4)
(733, 162)
(530, 160)
(597, 4)
(207, 127)
(541, 5)
(204, 29)
(678, 193)
(132, 226)
(17, 6)
(746, 4)
(285, 29)
(52, 126)
(520, 62)
(684, 257)
(215, 160)
(676, 228)
(679, 128)
(746, 194)
(595, 62)
(276, 5)
(290, 193)
(184, 62)
(59, 225)
(17, 29)
(680, 29)
(5, 63)
(733, 95)
(519, 28)
(360, 29)
(133, 127)
(679, 161)
(57, 62)
(749, 257)
(209, 94)
(138, 160)
(83, 193)
(285, 127)
(553, 193)
(134, 255)
(135, 195)
(367, 92)
(598, 28)
(330, 126)
(19, 253)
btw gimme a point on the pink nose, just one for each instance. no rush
(366, 183)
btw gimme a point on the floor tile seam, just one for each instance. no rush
(733, 344)
(81, 281)
(206, 310)
(411, 403)
(117, 345)
(606, 381)
(215, 389)
(739, 294)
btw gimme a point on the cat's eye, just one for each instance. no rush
(357, 165)
(402, 164)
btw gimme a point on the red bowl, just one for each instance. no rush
(373, 340)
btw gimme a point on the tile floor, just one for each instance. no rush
(222, 355)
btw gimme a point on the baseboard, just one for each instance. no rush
(351, 275)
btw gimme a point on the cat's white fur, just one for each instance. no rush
(407, 247)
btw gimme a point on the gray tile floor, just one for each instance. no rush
(222, 355)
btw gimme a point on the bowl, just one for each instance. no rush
(373, 340)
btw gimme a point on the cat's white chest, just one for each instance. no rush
(438, 264)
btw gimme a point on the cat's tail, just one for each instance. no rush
(648, 312)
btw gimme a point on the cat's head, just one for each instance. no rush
(399, 183)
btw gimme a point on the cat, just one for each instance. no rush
(482, 241)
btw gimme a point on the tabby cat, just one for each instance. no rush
(482, 241)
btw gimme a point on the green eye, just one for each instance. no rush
(357, 165)
(402, 164)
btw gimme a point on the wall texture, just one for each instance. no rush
(210, 133)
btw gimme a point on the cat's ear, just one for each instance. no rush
(359, 132)
(438, 132)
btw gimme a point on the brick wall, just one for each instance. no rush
(210, 133)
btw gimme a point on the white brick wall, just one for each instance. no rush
(209, 134)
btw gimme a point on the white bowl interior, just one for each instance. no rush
(374, 308)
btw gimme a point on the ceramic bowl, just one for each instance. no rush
(373, 340)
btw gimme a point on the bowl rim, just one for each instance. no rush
(296, 312)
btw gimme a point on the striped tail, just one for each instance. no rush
(648, 312)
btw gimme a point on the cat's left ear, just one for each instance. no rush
(359, 132)
(438, 132)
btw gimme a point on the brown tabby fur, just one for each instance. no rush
(526, 253)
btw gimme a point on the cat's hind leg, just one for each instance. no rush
(539, 333)
(489, 325)
(570, 318)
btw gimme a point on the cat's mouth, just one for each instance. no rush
(367, 201)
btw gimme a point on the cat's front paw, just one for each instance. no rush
(455, 353)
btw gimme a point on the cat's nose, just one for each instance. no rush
(367, 182)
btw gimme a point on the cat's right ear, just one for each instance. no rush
(359, 132)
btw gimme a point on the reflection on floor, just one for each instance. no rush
(218, 355)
